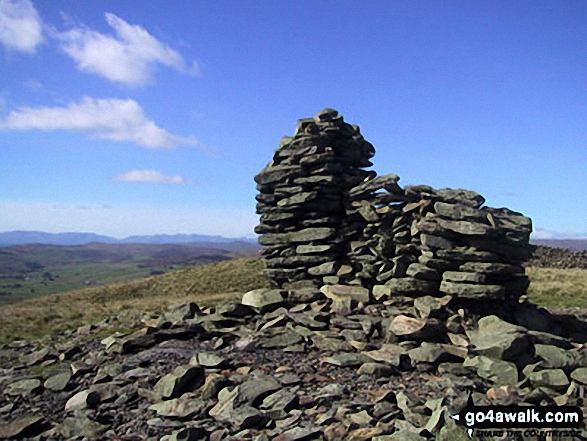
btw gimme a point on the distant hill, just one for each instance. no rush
(33, 270)
(39, 237)
(570, 244)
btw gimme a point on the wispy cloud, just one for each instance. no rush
(151, 177)
(20, 26)
(127, 56)
(113, 119)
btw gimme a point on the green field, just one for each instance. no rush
(30, 271)
(59, 278)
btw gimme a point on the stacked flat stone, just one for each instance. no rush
(327, 221)
(447, 243)
(302, 198)
(374, 210)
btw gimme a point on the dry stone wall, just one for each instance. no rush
(327, 221)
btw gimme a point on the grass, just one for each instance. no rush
(68, 278)
(206, 285)
(210, 285)
(558, 288)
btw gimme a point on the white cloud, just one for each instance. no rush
(113, 119)
(151, 177)
(20, 26)
(126, 57)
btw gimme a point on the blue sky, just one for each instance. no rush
(123, 119)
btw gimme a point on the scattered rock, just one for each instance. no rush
(19, 425)
(263, 299)
(182, 379)
(85, 399)
(59, 381)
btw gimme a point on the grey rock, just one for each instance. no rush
(38, 357)
(392, 354)
(80, 425)
(433, 242)
(464, 277)
(580, 375)
(331, 344)
(280, 403)
(497, 371)
(553, 378)
(58, 381)
(459, 212)
(15, 427)
(299, 198)
(472, 290)
(429, 306)
(182, 379)
(277, 173)
(313, 249)
(254, 390)
(377, 370)
(241, 417)
(187, 406)
(434, 353)
(86, 399)
(347, 360)
(460, 196)
(452, 432)
(24, 387)
(403, 327)
(209, 360)
(498, 339)
(411, 286)
(324, 269)
(388, 182)
(337, 292)
(281, 340)
(185, 311)
(420, 271)
(491, 268)
(554, 357)
(106, 391)
(263, 299)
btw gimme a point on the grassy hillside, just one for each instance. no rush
(209, 285)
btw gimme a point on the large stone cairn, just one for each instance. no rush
(328, 222)
(303, 194)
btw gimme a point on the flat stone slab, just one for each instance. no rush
(263, 298)
(472, 290)
(354, 292)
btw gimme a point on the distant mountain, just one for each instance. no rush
(39, 237)
(27, 237)
(570, 244)
(181, 238)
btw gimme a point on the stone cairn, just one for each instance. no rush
(328, 222)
